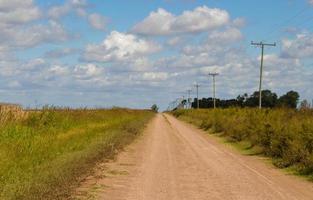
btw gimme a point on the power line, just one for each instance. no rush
(270, 33)
(307, 20)
(262, 45)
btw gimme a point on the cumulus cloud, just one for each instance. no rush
(173, 41)
(277, 62)
(217, 44)
(120, 47)
(18, 12)
(58, 70)
(162, 22)
(30, 36)
(283, 74)
(300, 47)
(59, 53)
(155, 76)
(239, 22)
(87, 71)
(230, 35)
(97, 21)
(34, 64)
(133, 63)
(18, 27)
(12, 4)
(78, 6)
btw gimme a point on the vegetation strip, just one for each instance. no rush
(45, 153)
(285, 135)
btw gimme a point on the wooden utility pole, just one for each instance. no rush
(262, 45)
(214, 89)
(197, 87)
(189, 100)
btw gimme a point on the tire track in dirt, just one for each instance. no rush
(174, 161)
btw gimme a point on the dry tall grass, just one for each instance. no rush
(11, 112)
(45, 153)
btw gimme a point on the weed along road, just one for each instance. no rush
(175, 161)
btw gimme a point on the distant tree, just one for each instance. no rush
(184, 102)
(305, 105)
(154, 108)
(289, 100)
(241, 99)
(269, 99)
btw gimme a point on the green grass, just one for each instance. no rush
(284, 135)
(44, 154)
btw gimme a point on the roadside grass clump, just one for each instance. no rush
(47, 152)
(285, 135)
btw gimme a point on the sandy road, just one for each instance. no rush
(175, 161)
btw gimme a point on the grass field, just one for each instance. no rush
(45, 153)
(284, 135)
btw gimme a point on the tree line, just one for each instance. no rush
(269, 100)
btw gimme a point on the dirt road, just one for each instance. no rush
(175, 161)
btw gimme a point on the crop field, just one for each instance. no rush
(45, 153)
(282, 134)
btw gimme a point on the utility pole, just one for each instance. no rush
(213, 76)
(262, 45)
(189, 101)
(197, 87)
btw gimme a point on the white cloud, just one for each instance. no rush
(229, 35)
(158, 23)
(12, 4)
(97, 21)
(300, 47)
(283, 74)
(20, 27)
(14, 84)
(78, 6)
(31, 36)
(34, 64)
(130, 61)
(155, 76)
(218, 43)
(277, 62)
(59, 53)
(200, 19)
(174, 41)
(58, 70)
(87, 71)
(120, 47)
(78, 3)
(58, 11)
(18, 12)
(141, 64)
(239, 22)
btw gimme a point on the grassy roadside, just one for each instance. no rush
(43, 154)
(285, 136)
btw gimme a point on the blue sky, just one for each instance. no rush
(105, 53)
